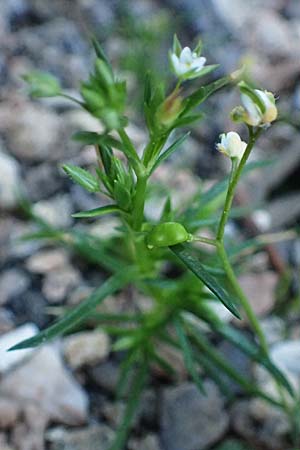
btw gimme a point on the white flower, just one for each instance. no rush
(262, 112)
(232, 145)
(187, 61)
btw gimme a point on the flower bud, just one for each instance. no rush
(238, 114)
(260, 108)
(169, 110)
(232, 145)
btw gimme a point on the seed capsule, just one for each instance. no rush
(167, 234)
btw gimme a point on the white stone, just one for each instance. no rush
(9, 359)
(86, 348)
(10, 181)
(45, 382)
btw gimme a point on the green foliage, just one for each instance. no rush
(233, 444)
(193, 264)
(82, 177)
(42, 84)
(159, 258)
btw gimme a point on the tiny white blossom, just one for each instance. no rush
(187, 61)
(232, 145)
(254, 114)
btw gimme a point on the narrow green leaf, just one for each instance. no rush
(173, 147)
(96, 212)
(128, 147)
(233, 444)
(82, 177)
(188, 120)
(125, 371)
(166, 214)
(137, 386)
(166, 367)
(87, 137)
(188, 354)
(148, 89)
(215, 374)
(93, 138)
(79, 313)
(98, 49)
(203, 93)
(251, 349)
(190, 261)
(217, 359)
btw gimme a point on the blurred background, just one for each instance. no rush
(46, 398)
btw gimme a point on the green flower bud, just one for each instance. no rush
(167, 234)
(169, 110)
(94, 101)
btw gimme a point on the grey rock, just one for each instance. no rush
(34, 133)
(260, 288)
(286, 355)
(57, 46)
(15, 247)
(239, 360)
(9, 411)
(191, 420)
(95, 437)
(86, 348)
(56, 211)
(284, 210)
(3, 442)
(46, 261)
(13, 282)
(44, 381)
(30, 307)
(10, 181)
(28, 433)
(149, 442)
(105, 375)
(273, 328)
(6, 321)
(58, 283)
(42, 181)
(260, 423)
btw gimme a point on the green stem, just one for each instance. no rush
(72, 99)
(139, 202)
(242, 297)
(234, 178)
(204, 240)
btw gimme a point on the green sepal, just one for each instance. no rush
(177, 48)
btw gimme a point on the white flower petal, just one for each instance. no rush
(232, 145)
(198, 63)
(253, 113)
(186, 56)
